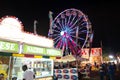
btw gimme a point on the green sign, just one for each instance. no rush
(53, 52)
(9, 46)
(28, 49)
(33, 50)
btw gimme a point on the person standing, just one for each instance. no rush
(111, 71)
(28, 74)
(102, 72)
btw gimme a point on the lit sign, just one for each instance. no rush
(11, 26)
(9, 46)
(28, 49)
(12, 23)
(33, 50)
(53, 52)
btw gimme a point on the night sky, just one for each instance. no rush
(104, 17)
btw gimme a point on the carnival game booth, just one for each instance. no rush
(65, 68)
(95, 55)
(18, 48)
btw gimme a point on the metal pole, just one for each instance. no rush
(9, 68)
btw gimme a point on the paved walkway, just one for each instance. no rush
(95, 76)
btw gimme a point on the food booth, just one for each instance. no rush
(41, 65)
(6, 50)
(18, 48)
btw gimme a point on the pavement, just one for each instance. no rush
(94, 75)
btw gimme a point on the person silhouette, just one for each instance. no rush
(28, 74)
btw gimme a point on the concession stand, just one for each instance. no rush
(18, 47)
(6, 50)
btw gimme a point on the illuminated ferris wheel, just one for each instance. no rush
(71, 31)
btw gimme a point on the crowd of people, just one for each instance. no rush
(103, 71)
(107, 71)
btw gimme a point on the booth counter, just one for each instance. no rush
(41, 67)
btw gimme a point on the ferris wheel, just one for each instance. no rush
(71, 31)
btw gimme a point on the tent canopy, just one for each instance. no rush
(70, 58)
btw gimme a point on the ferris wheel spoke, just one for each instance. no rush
(75, 23)
(83, 31)
(84, 23)
(63, 25)
(55, 26)
(69, 19)
(78, 38)
(81, 21)
(58, 44)
(73, 42)
(63, 48)
(56, 31)
(81, 27)
(72, 21)
(56, 38)
(61, 44)
(70, 46)
(60, 24)
(72, 29)
(65, 21)
(56, 35)
(66, 43)
(82, 39)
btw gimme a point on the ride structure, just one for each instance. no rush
(71, 31)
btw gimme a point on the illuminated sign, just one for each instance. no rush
(10, 27)
(33, 50)
(53, 52)
(8, 46)
(28, 49)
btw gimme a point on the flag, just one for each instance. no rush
(51, 23)
(35, 22)
(91, 40)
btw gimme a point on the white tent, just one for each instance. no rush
(67, 58)
(70, 58)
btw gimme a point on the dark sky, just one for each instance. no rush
(104, 16)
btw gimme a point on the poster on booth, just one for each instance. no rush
(66, 74)
(94, 56)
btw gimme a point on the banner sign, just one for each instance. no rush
(53, 52)
(6, 46)
(33, 50)
(29, 49)
(94, 56)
